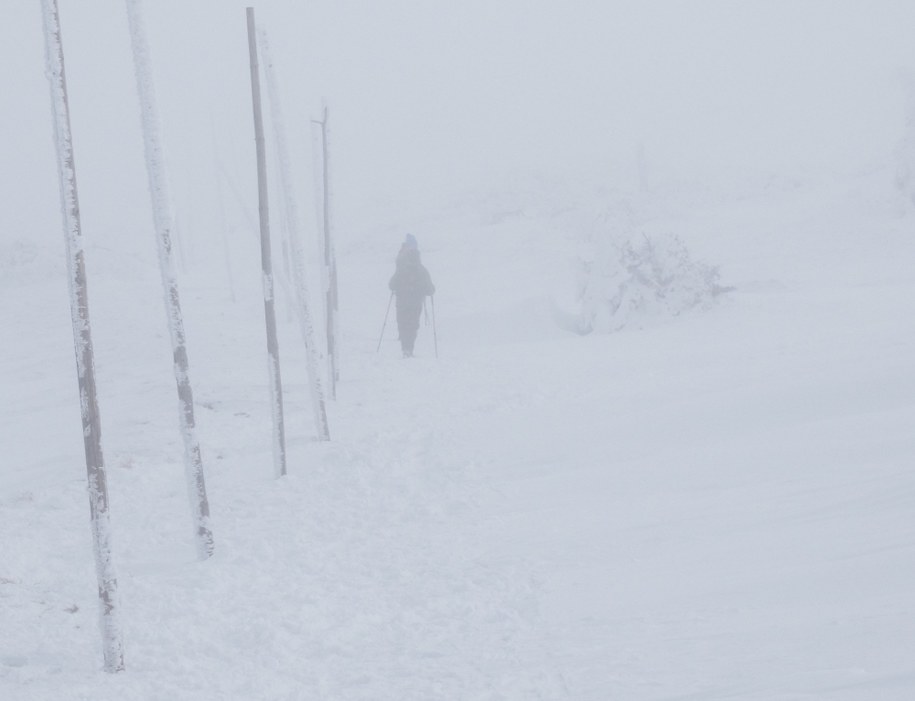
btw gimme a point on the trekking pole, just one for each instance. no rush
(434, 334)
(390, 299)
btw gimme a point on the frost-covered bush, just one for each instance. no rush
(629, 281)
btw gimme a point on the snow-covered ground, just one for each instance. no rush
(718, 505)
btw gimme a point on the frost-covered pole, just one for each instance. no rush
(163, 220)
(330, 263)
(334, 324)
(273, 349)
(109, 606)
(294, 229)
(284, 274)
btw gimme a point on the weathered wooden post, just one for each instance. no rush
(164, 222)
(273, 350)
(109, 608)
(294, 229)
(330, 263)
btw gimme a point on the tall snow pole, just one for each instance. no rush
(294, 228)
(109, 605)
(273, 350)
(330, 263)
(164, 223)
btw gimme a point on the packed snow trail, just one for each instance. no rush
(364, 574)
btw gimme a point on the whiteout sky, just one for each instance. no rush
(431, 98)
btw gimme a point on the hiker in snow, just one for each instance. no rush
(411, 284)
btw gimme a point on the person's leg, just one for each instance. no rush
(410, 326)
(403, 326)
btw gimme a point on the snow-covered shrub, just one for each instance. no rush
(628, 281)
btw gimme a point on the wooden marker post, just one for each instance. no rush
(109, 609)
(273, 350)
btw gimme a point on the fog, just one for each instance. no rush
(429, 99)
(609, 471)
